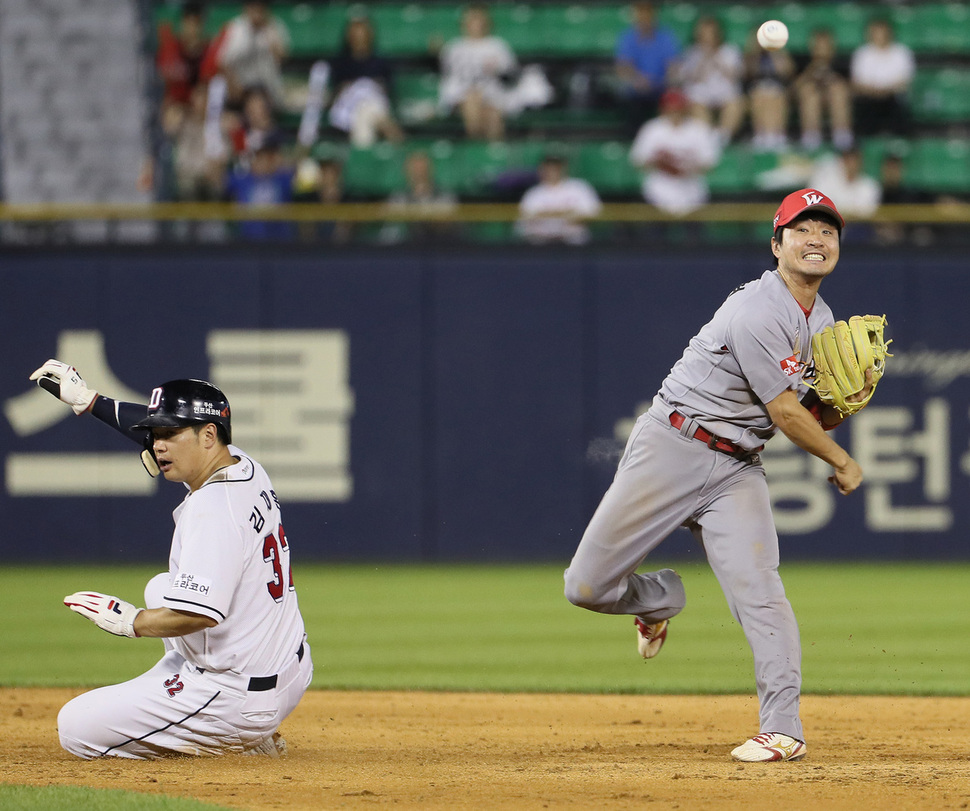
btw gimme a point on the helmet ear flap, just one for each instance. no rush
(148, 456)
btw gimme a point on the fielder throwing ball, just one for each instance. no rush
(236, 659)
(770, 358)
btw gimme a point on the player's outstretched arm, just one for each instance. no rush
(800, 426)
(116, 616)
(66, 384)
(166, 622)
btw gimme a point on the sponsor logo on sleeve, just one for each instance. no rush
(791, 365)
(190, 583)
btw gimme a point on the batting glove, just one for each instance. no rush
(66, 384)
(108, 613)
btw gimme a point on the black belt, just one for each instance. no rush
(259, 683)
(715, 443)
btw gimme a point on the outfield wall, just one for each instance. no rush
(449, 406)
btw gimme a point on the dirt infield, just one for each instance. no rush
(485, 751)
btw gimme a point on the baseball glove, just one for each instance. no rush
(842, 354)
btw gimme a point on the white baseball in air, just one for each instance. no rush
(772, 35)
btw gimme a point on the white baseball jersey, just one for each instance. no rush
(230, 561)
(225, 688)
(572, 195)
(693, 145)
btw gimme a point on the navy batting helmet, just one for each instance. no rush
(187, 402)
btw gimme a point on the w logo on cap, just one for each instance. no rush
(813, 198)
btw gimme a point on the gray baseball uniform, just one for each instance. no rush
(757, 345)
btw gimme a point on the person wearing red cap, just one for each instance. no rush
(693, 460)
(675, 150)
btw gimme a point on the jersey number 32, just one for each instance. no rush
(273, 554)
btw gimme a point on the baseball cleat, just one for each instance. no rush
(650, 638)
(274, 747)
(770, 746)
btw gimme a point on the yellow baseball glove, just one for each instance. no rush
(842, 354)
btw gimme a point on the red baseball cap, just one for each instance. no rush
(673, 99)
(798, 202)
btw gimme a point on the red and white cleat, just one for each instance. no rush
(770, 746)
(650, 638)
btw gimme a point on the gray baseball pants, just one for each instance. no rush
(666, 479)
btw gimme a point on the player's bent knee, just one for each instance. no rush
(584, 594)
(71, 729)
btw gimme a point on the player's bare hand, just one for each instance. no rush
(848, 477)
(66, 384)
(108, 613)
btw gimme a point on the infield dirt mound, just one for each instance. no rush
(490, 751)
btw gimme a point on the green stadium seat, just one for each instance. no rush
(939, 165)
(874, 149)
(607, 166)
(411, 29)
(517, 24)
(941, 96)
(482, 163)
(934, 27)
(587, 30)
(315, 31)
(848, 23)
(449, 173)
(216, 15)
(739, 21)
(375, 172)
(416, 96)
(681, 17)
(733, 174)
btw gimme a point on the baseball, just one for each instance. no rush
(773, 35)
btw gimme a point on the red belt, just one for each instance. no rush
(715, 443)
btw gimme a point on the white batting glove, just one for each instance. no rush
(66, 384)
(108, 613)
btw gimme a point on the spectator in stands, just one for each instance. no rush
(645, 53)
(256, 123)
(329, 190)
(841, 177)
(421, 195)
(253, 47)
(767, 76)
(363, 84)
(556, 208)
(184, 58)
(881, 72)
(199, 170)
(266, 182)
(472, 69)
(675, 151)
(822, 88)
(710, 73)
(894, 191)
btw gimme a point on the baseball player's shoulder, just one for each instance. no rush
(243, 469)
(239, 481)
(755, 296)
(763, 303)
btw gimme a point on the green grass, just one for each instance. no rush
(57, 798)
(866, 628)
